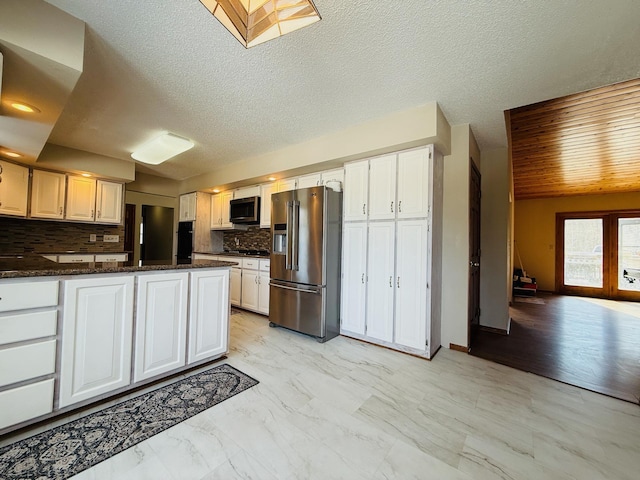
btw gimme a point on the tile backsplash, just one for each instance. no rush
(254, 238)
(23, 236)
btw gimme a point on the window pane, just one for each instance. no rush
(629, 254)
(583, 252)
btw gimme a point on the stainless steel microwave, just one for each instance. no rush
(245, 210)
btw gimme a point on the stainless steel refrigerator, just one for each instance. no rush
(306, 233)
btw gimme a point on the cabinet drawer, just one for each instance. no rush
(231, 259)
(75, 258)
(111, 257)
(250, 263)
(27, 361)
(27, 326)
(26, 402)
(20, 296)
(265, 265)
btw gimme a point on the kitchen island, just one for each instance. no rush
(71, 335)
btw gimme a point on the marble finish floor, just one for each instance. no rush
(350, 410)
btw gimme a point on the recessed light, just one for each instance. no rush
(271, 179)
(86, 175)
(24, 107)
(11, 154)
(216, 190)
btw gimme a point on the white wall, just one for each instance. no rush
(455, 238)
(495, 225)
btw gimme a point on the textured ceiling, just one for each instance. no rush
(153, 66)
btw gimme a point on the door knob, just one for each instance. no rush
(474, 264)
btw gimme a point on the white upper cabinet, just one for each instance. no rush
(336, 175)
(14, 189)
(266, 191)
(188, 207)
(247, 192)
(220, 203)
(81, 198)
(356, 190)
(413, 183)
(225, 205)
(47, 194)
(109, 202)
(382, 185)
(287, 184)
(312, 180)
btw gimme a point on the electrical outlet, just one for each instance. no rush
(111, 238)
(92, 237)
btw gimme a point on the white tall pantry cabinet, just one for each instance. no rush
(392, 240)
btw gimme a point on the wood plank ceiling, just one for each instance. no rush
(582, 144)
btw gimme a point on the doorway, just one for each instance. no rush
(474, 253)
(156, 235)
(598, 254)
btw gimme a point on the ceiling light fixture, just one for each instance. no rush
(12, 154)
(216, 190)
(161, 148)
(87, 175)
(272, 179)
(253, 22)
(24, 107)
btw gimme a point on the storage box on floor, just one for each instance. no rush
(523, 286)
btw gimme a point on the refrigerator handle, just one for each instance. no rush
(289, 251)
(296, 230)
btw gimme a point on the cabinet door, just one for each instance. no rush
(208, 314)
(247, 192)
(161, 324)
(109, 202)
(354, 277)
(81, 199)
(263, 292)
(287, 184)
(307, 181)
(380, 286)
(265, 204)
(96, 337)
(47, 194)
(382, 185)
(14, 188)
(411, 283)
(216, 211)
(250, 289)
(336, 175)
(356, 181)
(413, 183)
(188, 207)
(224, 209)
(235, 294)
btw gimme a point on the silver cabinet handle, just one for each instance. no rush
(99, 213)
(363, 278)
(400, 206)
(398, 282)
(391, 282)
(391, 207)
(60, 210)
(92, 213)
(363, 207)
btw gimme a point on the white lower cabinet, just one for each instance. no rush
(235, 293)
(411, 284)
(354, 272)
(208, 314)
(26, 402)
(97, 337)
(263, 292)
(250, 288)
(381, 275)
(161, 324)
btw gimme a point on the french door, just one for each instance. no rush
(598, 254)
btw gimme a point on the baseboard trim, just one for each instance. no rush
(499, 331)
(458, 348)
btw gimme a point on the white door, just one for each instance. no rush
(382, 185)
(411, 283)
(161, 324)
(413, 183)
(81, 199)
(109, 202)
(263, 292)
(14, 189)
(47, 194)
(236, 286)
(354, 277)
(380, 286)
(225, 206)
(250, 289)
(356, 181)
(208, 314)
(265, 203)
(97, 333)
(312, 180)
(216, 211)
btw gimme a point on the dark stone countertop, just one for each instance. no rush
(32, 265)
(235, 254)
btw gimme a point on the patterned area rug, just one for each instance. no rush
(66, 450)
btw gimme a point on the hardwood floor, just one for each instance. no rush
(587, 342)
